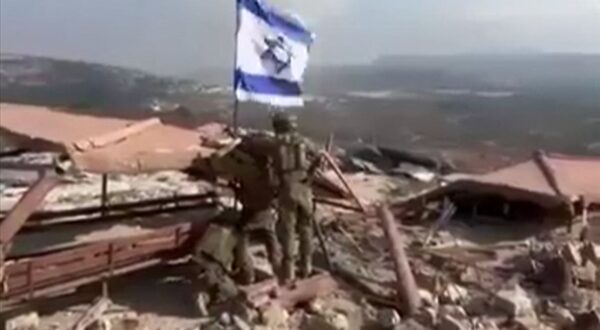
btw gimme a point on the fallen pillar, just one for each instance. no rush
(406, 290)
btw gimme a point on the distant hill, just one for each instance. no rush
(42, 80)
(570, 75)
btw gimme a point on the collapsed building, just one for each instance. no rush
(428, 284)
(548, 186)
(108, 146)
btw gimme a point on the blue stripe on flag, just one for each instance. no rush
(265, 84)
(287, 25)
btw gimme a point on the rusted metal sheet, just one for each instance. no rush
(25, 277)
(108, 145)
(42, 128)
(25, 207)
(156, 148)
(409, 300)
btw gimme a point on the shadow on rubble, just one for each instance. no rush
(164, 290)
(498, 232)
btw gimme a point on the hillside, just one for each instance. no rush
(41, 80)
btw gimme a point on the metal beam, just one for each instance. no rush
(25, 207)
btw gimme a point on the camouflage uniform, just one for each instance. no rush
(295, 197)
(256, 194)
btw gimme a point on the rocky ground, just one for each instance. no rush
(482, 276)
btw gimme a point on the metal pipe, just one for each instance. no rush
(406, 290)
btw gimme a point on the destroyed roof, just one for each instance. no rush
(107, 145)
(566, 177)
(110, 145)
(42, 128)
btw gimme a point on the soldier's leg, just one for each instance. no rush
(305, 231)
(244, 259)
(273, 248)
(287, 217)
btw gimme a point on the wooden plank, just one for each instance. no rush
(93, 314)
(115, 136)
(25, 207)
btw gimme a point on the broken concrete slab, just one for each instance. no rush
(274, 316)
(454, 294)
(585, 276)
(590, 252)
(448, 322)
(388, 318)
(328, 321)
(453, 310)
(477, 305)
(469, 276)
(428, 279)
(427, 317)
(571, 254)
(515, 302)
(428, 298)
(29, 321)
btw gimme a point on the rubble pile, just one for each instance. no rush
(398, 269)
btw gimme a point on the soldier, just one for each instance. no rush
(295, 197)
(248, 167)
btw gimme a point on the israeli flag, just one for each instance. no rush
(272, 54)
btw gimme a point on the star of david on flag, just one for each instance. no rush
(272, 51)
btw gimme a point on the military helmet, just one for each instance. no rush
(284, 122)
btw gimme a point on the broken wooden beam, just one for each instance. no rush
(306, 290)
(406, 289)
(92, 314)
(340, 175)
(25, 207)
(263, 294)
(115, 136)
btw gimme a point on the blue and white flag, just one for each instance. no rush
(272, 54)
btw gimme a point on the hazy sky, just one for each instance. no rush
(179, 36)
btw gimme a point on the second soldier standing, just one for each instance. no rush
(295, 196)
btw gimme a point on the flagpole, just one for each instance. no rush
(235, 50)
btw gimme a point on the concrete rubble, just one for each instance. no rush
(388, 269)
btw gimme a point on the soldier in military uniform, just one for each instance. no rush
(248, 168)
(295, 196)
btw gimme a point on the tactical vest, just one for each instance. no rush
(292, 160)
(292, 171)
